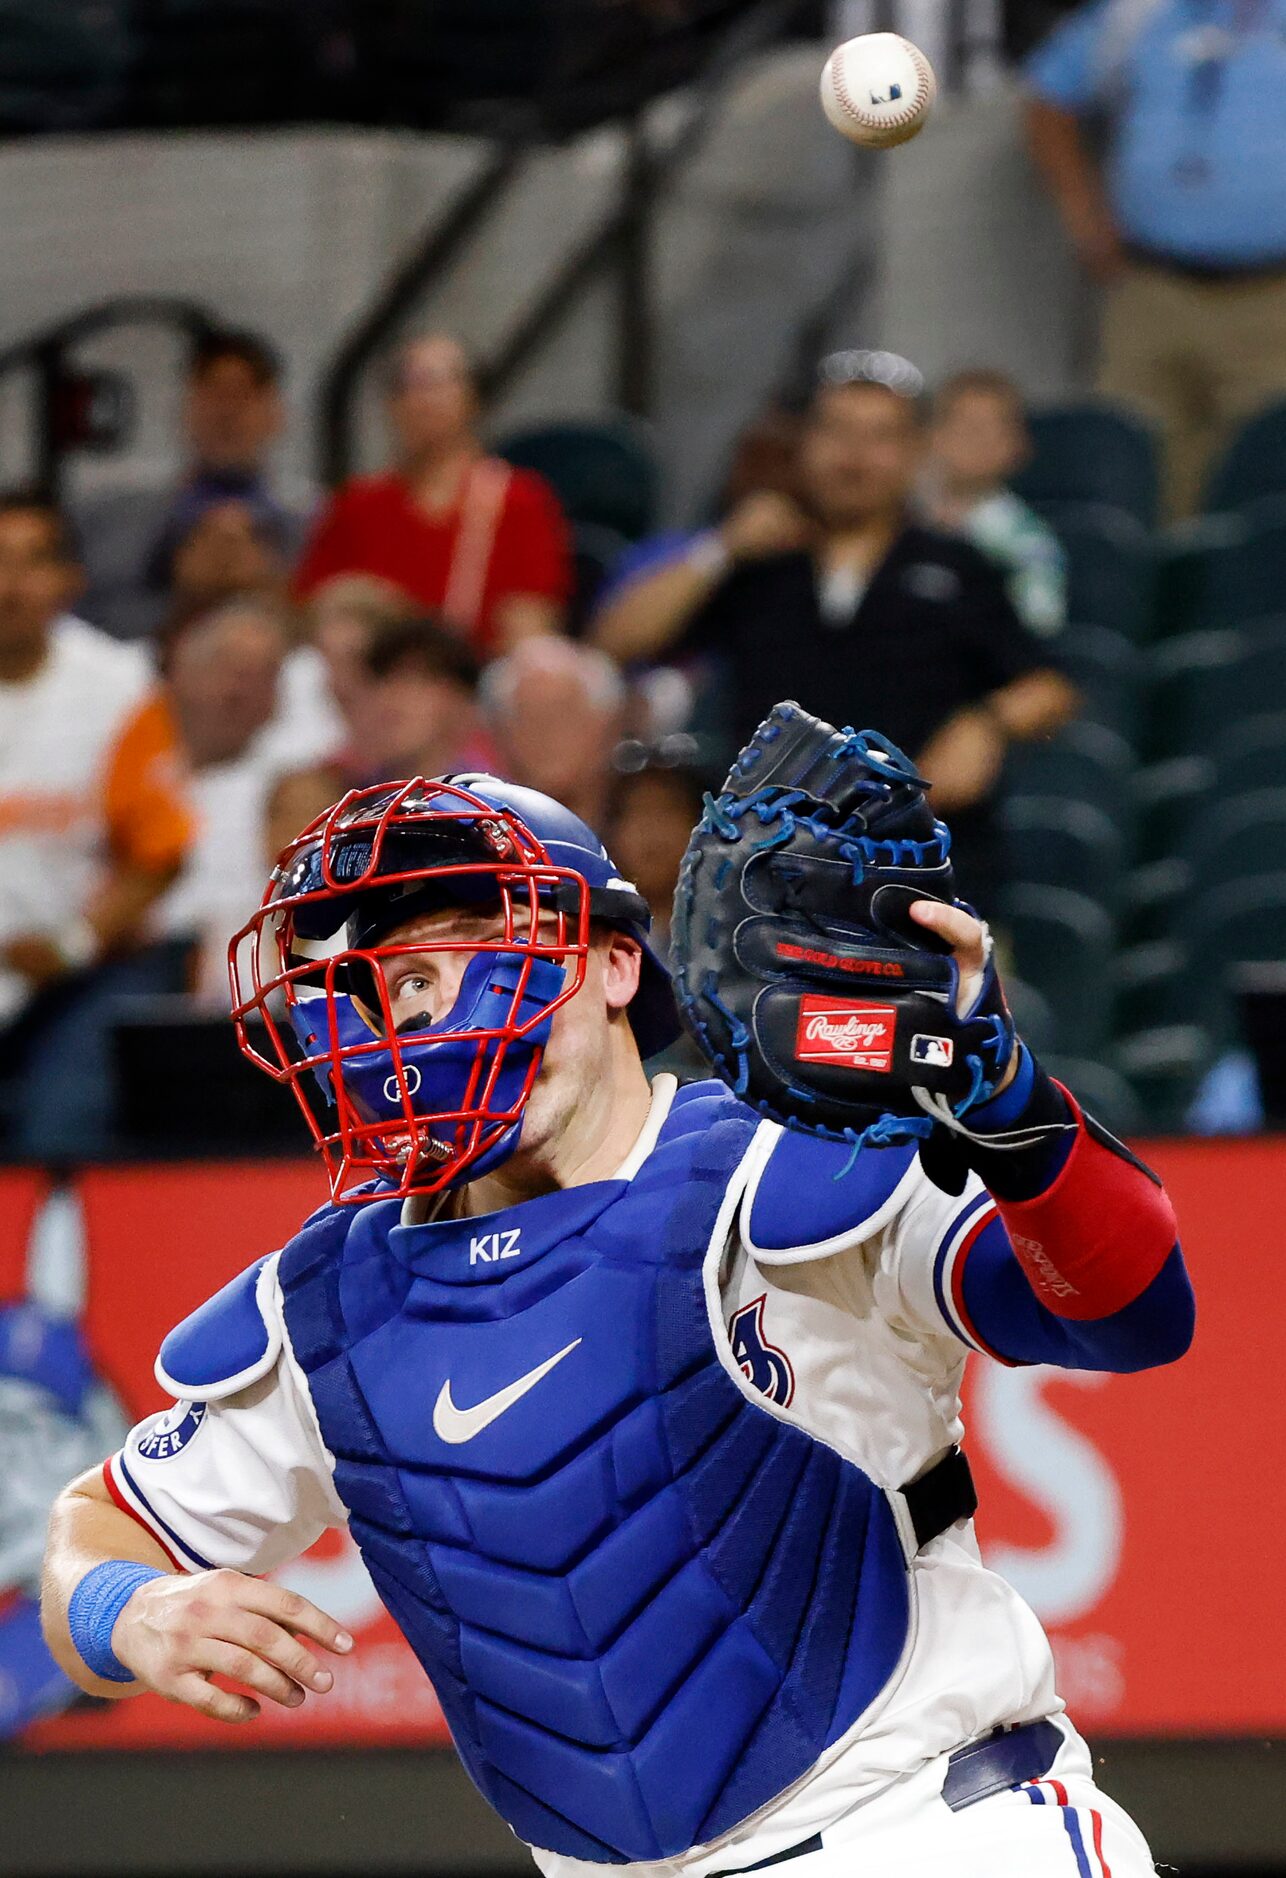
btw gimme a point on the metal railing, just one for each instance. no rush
(617, 247)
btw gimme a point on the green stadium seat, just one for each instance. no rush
(1084, 762)
(602, 472)
(1167, 795)
(1190, 558)
(1108, 670)
(1101, 1090)
(1163, 1067)
(1254, 464)
(1241, 923)
(1111, 567)
(595, 551)
(1217, 836)
(1093, 453)
(1251, 754)
(1149, 985)
(1205, 682)
(1051, 841)
(1032, 1014)
(1235, 838)
(1227, 571)
(1062, 944)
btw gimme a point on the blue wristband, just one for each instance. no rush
(96, 1603)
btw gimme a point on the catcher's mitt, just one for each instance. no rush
(799, 971)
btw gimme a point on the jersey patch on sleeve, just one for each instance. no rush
(808, 1197)
(226, 1344)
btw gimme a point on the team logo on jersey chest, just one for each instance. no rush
(171, 1432)
(761, 1362)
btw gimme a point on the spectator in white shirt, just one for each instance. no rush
(241, 722)
(93, 827)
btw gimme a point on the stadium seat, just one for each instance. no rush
(1251, 753)
(1163, 1067)
(1054, 842)
(1032, 1014)
(1252, 572)
(1149, 985)
(604, 473)
(1093, 453)
(1204, 682)
(1228, 570)
(595, 551)
(1111, 567)
(1243, 923)
(1189, 560)
(1101, 1090)
(1062, 944)
(1239, 837)
(1254, 464)
(1216, 836)
(1085, 762)
(1108, 670)
(1166, 796)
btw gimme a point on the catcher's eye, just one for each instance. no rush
(411, 994)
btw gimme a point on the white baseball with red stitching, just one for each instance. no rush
(878, 89)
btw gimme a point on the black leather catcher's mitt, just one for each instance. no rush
(799, 971)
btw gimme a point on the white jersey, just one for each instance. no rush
(58, 730)
(863, 1355)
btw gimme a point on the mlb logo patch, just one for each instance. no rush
(855, 1036)
(936, 1051)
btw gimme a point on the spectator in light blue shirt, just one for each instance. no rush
(1185, 224)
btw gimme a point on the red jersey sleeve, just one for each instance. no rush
(533, 551)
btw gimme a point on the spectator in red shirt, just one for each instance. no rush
(481, 544)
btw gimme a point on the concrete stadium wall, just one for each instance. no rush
(293, 232)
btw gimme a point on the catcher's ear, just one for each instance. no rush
(622, 959)
(891, 913)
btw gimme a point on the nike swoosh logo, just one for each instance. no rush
(456, 1425)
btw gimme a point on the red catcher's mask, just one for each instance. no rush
(420, 1103)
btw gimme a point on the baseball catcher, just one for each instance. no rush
(641, 1402)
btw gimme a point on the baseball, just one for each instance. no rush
(878, 89)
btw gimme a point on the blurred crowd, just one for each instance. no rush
(190, 673)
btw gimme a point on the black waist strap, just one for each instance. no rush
(1001, 1760)
(942, 1496)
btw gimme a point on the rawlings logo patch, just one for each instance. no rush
(834, 1030)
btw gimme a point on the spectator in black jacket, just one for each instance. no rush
(874, 621)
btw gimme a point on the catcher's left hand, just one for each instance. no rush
(823, 964)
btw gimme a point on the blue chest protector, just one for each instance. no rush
(647, 1602)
